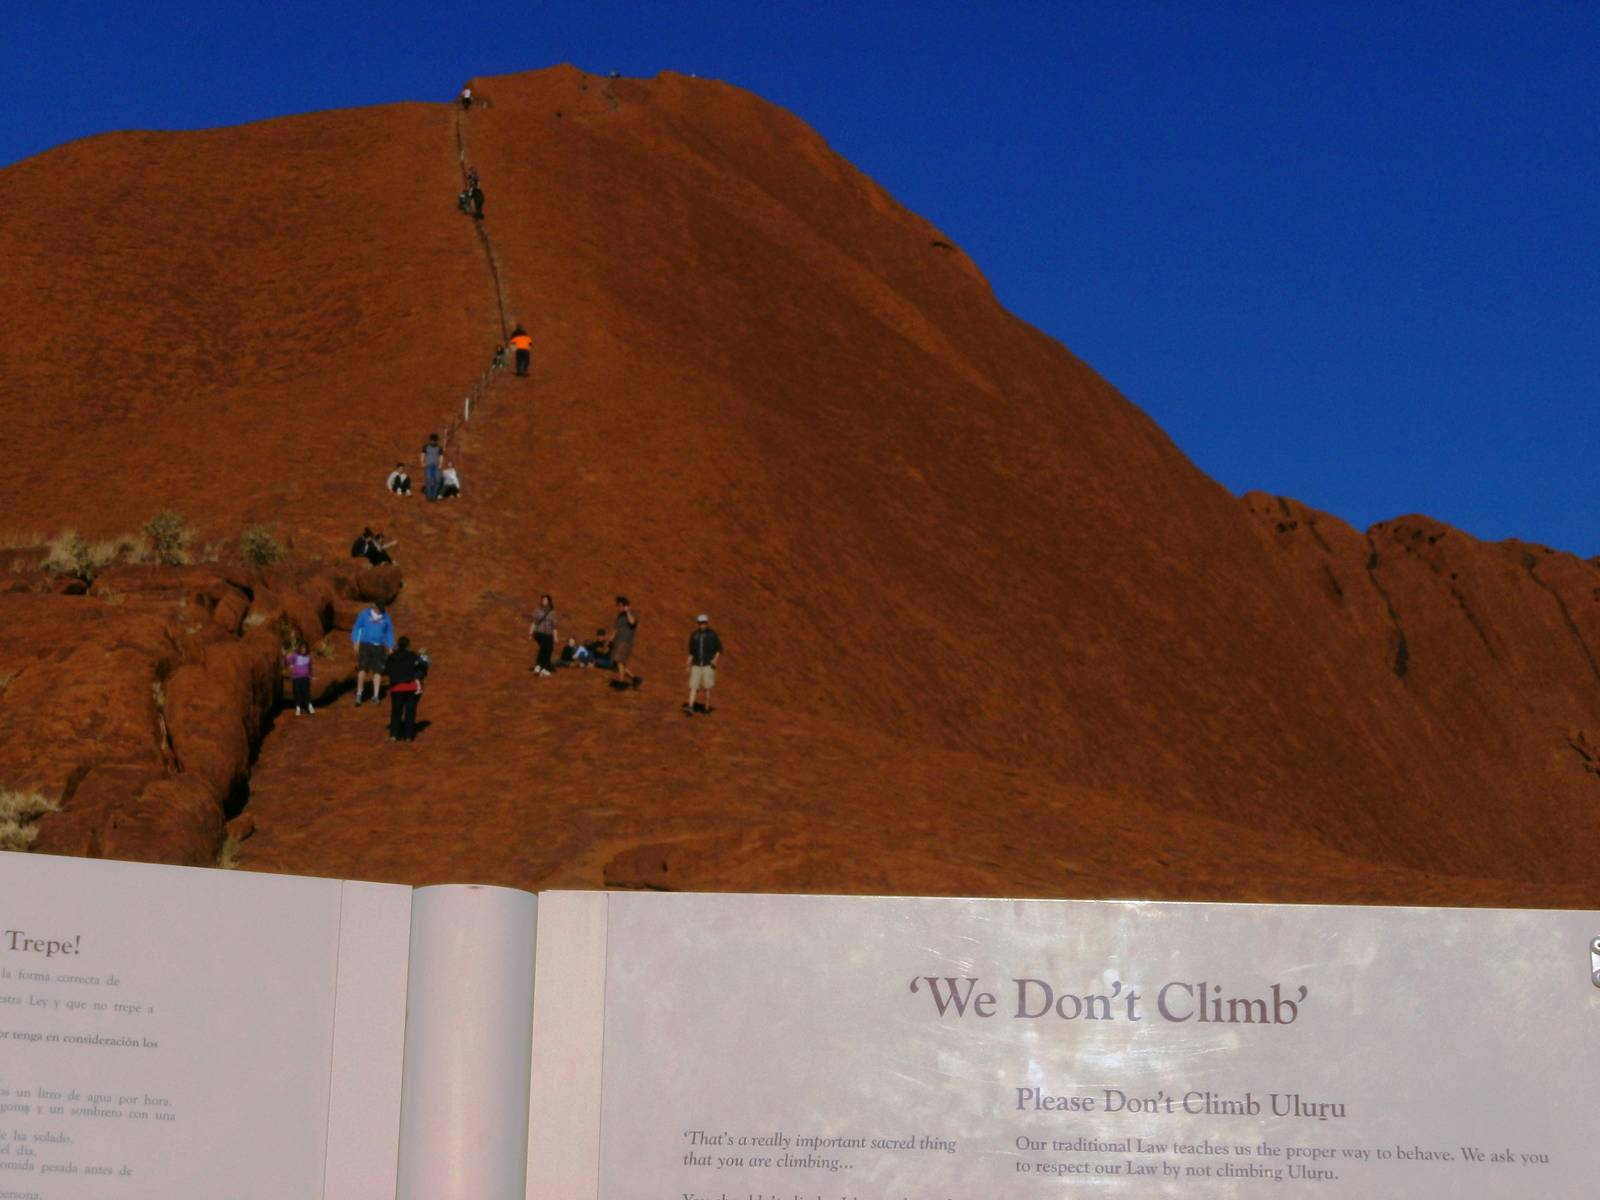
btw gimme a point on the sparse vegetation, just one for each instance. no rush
(258, 547)
(21, 539)
(19, 811)
(70, 553)
(168, 534)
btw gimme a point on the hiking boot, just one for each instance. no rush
(638, 682)
(689, 711)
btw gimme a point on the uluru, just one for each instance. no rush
(986, 629)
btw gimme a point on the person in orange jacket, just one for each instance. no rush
(523, 345)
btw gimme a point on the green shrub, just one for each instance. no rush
(258, 547)
(168, 533)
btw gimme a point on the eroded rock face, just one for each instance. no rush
(988, 629)
(139, 703)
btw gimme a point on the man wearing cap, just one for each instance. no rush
(705, 647)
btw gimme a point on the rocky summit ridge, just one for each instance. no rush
(988, 630)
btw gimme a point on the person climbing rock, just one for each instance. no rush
(298, 663)
(523, 345)
(476, 194)
(472, 178)
(705, 648)
(622, 645)
(373, 638)
(405, 671)
(544, 632)
(432, 460)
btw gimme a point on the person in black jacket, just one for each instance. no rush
(405, 671)
(705, 648)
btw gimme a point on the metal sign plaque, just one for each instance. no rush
(771, 1046)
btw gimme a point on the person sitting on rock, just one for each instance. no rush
(599, 649)
(362, 546)
(378, 549)
(399, 482)
(449, 482)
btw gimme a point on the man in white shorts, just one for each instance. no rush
(705, 648)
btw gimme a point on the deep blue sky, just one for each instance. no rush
(1344, 251)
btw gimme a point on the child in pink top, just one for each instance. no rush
(298, 664)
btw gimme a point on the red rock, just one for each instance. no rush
(987, 629)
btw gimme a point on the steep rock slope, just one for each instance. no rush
(988, 629)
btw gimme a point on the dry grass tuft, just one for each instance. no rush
(70, 553)
(22, 539)
(230, 854)
(18, 813)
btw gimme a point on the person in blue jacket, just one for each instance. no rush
(373, 638)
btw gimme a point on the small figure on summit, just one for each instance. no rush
(523, 345)
(466, 98)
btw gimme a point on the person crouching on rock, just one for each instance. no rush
(373, 638)
(399, 482)
(405, 671)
